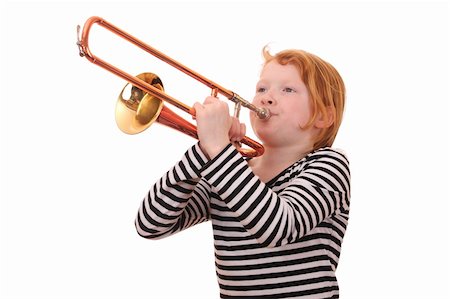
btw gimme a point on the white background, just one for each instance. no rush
(71, 182)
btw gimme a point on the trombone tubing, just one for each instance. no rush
(83, 45)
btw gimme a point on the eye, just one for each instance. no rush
(288, 90)
(260, 89)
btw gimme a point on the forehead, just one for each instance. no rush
(274, 69)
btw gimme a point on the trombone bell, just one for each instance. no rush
(140, 110)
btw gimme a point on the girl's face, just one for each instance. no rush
(282, 91)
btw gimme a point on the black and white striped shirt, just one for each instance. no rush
(280, 239)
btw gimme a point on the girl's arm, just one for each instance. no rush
(177, 201)
(320, 189)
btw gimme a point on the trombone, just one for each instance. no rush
(145, 104)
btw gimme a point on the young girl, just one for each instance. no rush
(278, 219)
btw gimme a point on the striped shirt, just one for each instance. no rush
(280, 239)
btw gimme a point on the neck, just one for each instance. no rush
(285, 154)
(275, 160)
(281, 151)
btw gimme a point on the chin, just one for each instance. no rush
(264, 134)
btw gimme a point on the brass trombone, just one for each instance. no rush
(145, 104)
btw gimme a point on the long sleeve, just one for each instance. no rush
(276, 240)
(180, 199)
(320, 189)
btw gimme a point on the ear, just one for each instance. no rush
(325, 121)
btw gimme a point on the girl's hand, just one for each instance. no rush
(213, 126)
(237, 130)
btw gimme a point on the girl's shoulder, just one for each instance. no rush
(324, 163)
(325, 156)
(327, 152)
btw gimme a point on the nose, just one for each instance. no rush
(268, 99)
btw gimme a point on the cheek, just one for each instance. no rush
(302, 114)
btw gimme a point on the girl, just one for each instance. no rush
(278, 219)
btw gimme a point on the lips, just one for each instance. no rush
(268, 119)
(271, 113)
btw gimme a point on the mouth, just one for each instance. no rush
(265, 116)
(271, 114)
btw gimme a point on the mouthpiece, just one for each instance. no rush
(263, 113)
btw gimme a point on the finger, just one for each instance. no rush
(197, 107)
(243, 131)
(240, 132)
(234, 129)
(210, 100)
(192, 112)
